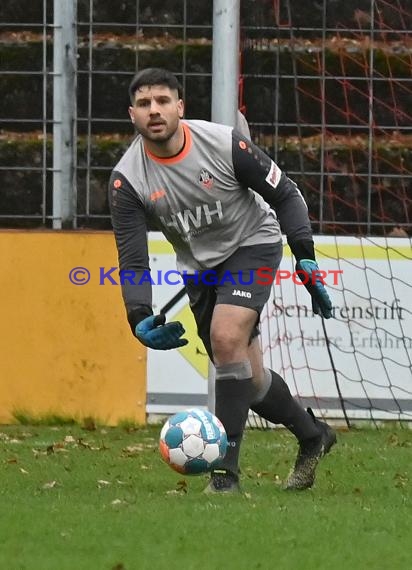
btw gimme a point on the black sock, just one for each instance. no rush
(279, 407)
(233, 398)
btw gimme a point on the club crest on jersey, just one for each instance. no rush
(205, 179)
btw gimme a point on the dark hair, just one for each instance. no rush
(154, 76)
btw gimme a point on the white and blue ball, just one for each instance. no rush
(193, 441)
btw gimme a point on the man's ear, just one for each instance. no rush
(131, 114)
(181, 108)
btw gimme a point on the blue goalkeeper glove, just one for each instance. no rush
(154, 333)
(321, 303)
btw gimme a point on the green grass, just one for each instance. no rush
(73, 499)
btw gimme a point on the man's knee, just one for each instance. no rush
(230, 332)
(226, 342)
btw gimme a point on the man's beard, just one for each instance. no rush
(159, 138)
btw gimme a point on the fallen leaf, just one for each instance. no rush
(103, 447)
(37, 452)
(133, 450)
(393, 440)
(181, 486)
(23, 471)
(118, 502)
(69, 439)
(50, 485)
(260, 474)
(401, 480)
(56, 448)
(102, 483)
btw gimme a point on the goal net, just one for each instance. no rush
(356, 365)
(327, 91)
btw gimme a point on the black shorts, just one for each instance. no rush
(233, 282)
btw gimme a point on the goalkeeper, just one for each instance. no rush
(223, 204)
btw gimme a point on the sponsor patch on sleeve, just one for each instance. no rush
(274, 175)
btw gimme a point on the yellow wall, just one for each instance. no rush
(65, 349)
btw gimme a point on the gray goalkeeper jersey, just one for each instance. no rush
(196, 200)
(219, 193)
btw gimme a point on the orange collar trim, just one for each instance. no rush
(178, 157)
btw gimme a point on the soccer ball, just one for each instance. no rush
(193, 441)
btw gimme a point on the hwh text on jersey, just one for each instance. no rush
(187, 220)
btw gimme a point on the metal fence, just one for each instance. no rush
(326, 88)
